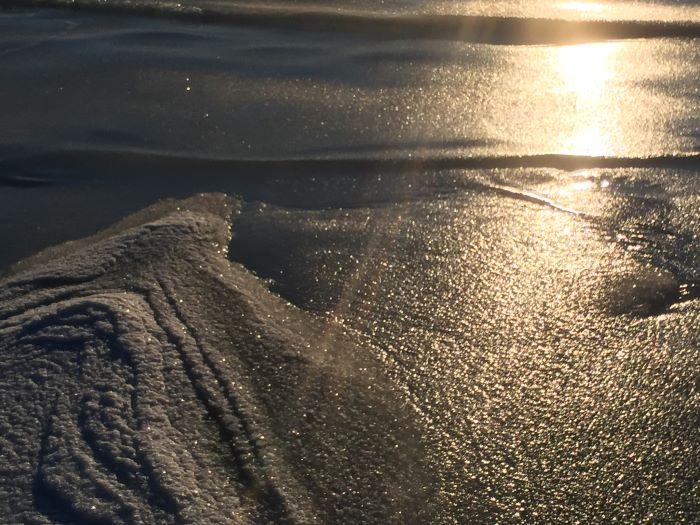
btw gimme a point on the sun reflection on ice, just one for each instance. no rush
(583, 6)
(583, 191)
(586, 72)
(583, 185)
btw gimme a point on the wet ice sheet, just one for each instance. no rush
(541, 369)
(87, 81)
(542, 322)
(624, 10)
(525, 340)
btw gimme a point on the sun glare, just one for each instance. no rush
(583, 6)
(586, 73)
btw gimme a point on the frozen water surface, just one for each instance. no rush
(455, 280)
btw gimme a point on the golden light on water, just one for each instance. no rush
(586, 72)
(583, 6)
(584, 185)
